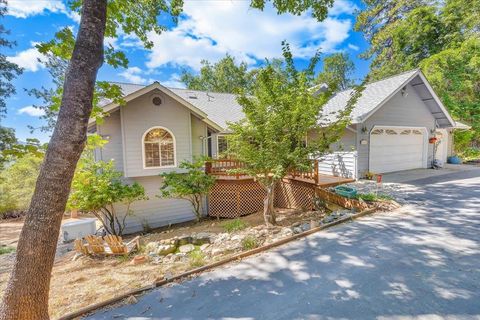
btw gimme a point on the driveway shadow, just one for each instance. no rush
(420, 262)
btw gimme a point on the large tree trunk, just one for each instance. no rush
(26, 296)
(268, 207)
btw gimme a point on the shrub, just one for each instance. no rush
(234, 225)
(249, 243)
(197, 259)
(373, 197)
(17, 183)
(191, 186)
(98, 188)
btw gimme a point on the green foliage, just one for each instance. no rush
(440, 37)
(222, 76)
(98, 188)
(337, 72)
(249, 243)
(196, 258)
(279, 114)
(8, 70)
(373, 197)
(6, 250)
(17, 183)
(192, 184)
(234, 225)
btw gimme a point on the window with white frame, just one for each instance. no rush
(159, 148)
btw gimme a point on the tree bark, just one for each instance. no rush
(268, 205)
(26, 295)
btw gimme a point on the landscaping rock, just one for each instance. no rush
(152, 247)
(183, 240)
(131, 300)
(205, 246)
(305, 226)
(165, 249)
(186, 248)
(297, 230)
(139, 259)
(202, 238)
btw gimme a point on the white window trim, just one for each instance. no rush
(174, 149)
(220, 135)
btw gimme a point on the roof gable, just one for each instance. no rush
(377, 93)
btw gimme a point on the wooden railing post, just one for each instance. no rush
(315, 171)
(208, 167)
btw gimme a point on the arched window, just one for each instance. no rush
(159, 148)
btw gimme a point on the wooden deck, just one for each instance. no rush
(225, 169)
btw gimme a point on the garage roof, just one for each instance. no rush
(377, 93)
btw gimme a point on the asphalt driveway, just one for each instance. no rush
(420, 262)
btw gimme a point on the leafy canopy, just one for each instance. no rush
(337, 72)
(279, 114)
(192, 184)
(8, 70)
(440, 37)
(223, 76)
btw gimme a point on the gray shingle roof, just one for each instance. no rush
(220, 108)
(372, 96)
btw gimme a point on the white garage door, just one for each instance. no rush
(396, 149)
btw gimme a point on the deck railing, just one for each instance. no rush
(226, 167)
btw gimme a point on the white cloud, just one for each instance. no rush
(134, 75)
(353, 47)
(31, 111)
(173, 82)
(26, 8)
(29, 59)
(212, 28)
(342, 7)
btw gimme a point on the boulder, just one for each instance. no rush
(183, 240)
(186, 248)
(202, 238)
(165, 249)
(203, 247)
(152, 247)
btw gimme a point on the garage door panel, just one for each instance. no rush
(395, 152)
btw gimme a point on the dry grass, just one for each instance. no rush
(79, 283)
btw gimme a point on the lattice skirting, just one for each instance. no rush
(235, 198)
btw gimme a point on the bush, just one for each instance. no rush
(234, 225)
(98, 188)
(17, 183)
(373, 197)
(249, 243)
(197, 259)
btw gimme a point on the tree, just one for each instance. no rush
(440, 37)
(8, 70)
(279, 114)
(192, 185)
(17, 182)
(337, 72)
(7, 140)
(26, 295)
(222, 76)
(98, 188)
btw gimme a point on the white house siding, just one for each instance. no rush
(343, 160)
(112, 131)
(199, 129)
(155, 212)
(408, 111)
(138, 116)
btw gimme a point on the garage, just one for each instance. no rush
(397, 148)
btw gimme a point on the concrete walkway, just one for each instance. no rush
(421, 262)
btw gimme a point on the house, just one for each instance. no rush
(159, 127)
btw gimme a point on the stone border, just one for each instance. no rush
(239, 256)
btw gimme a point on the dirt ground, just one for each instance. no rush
(84, 281)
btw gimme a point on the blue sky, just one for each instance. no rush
(208, 29)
